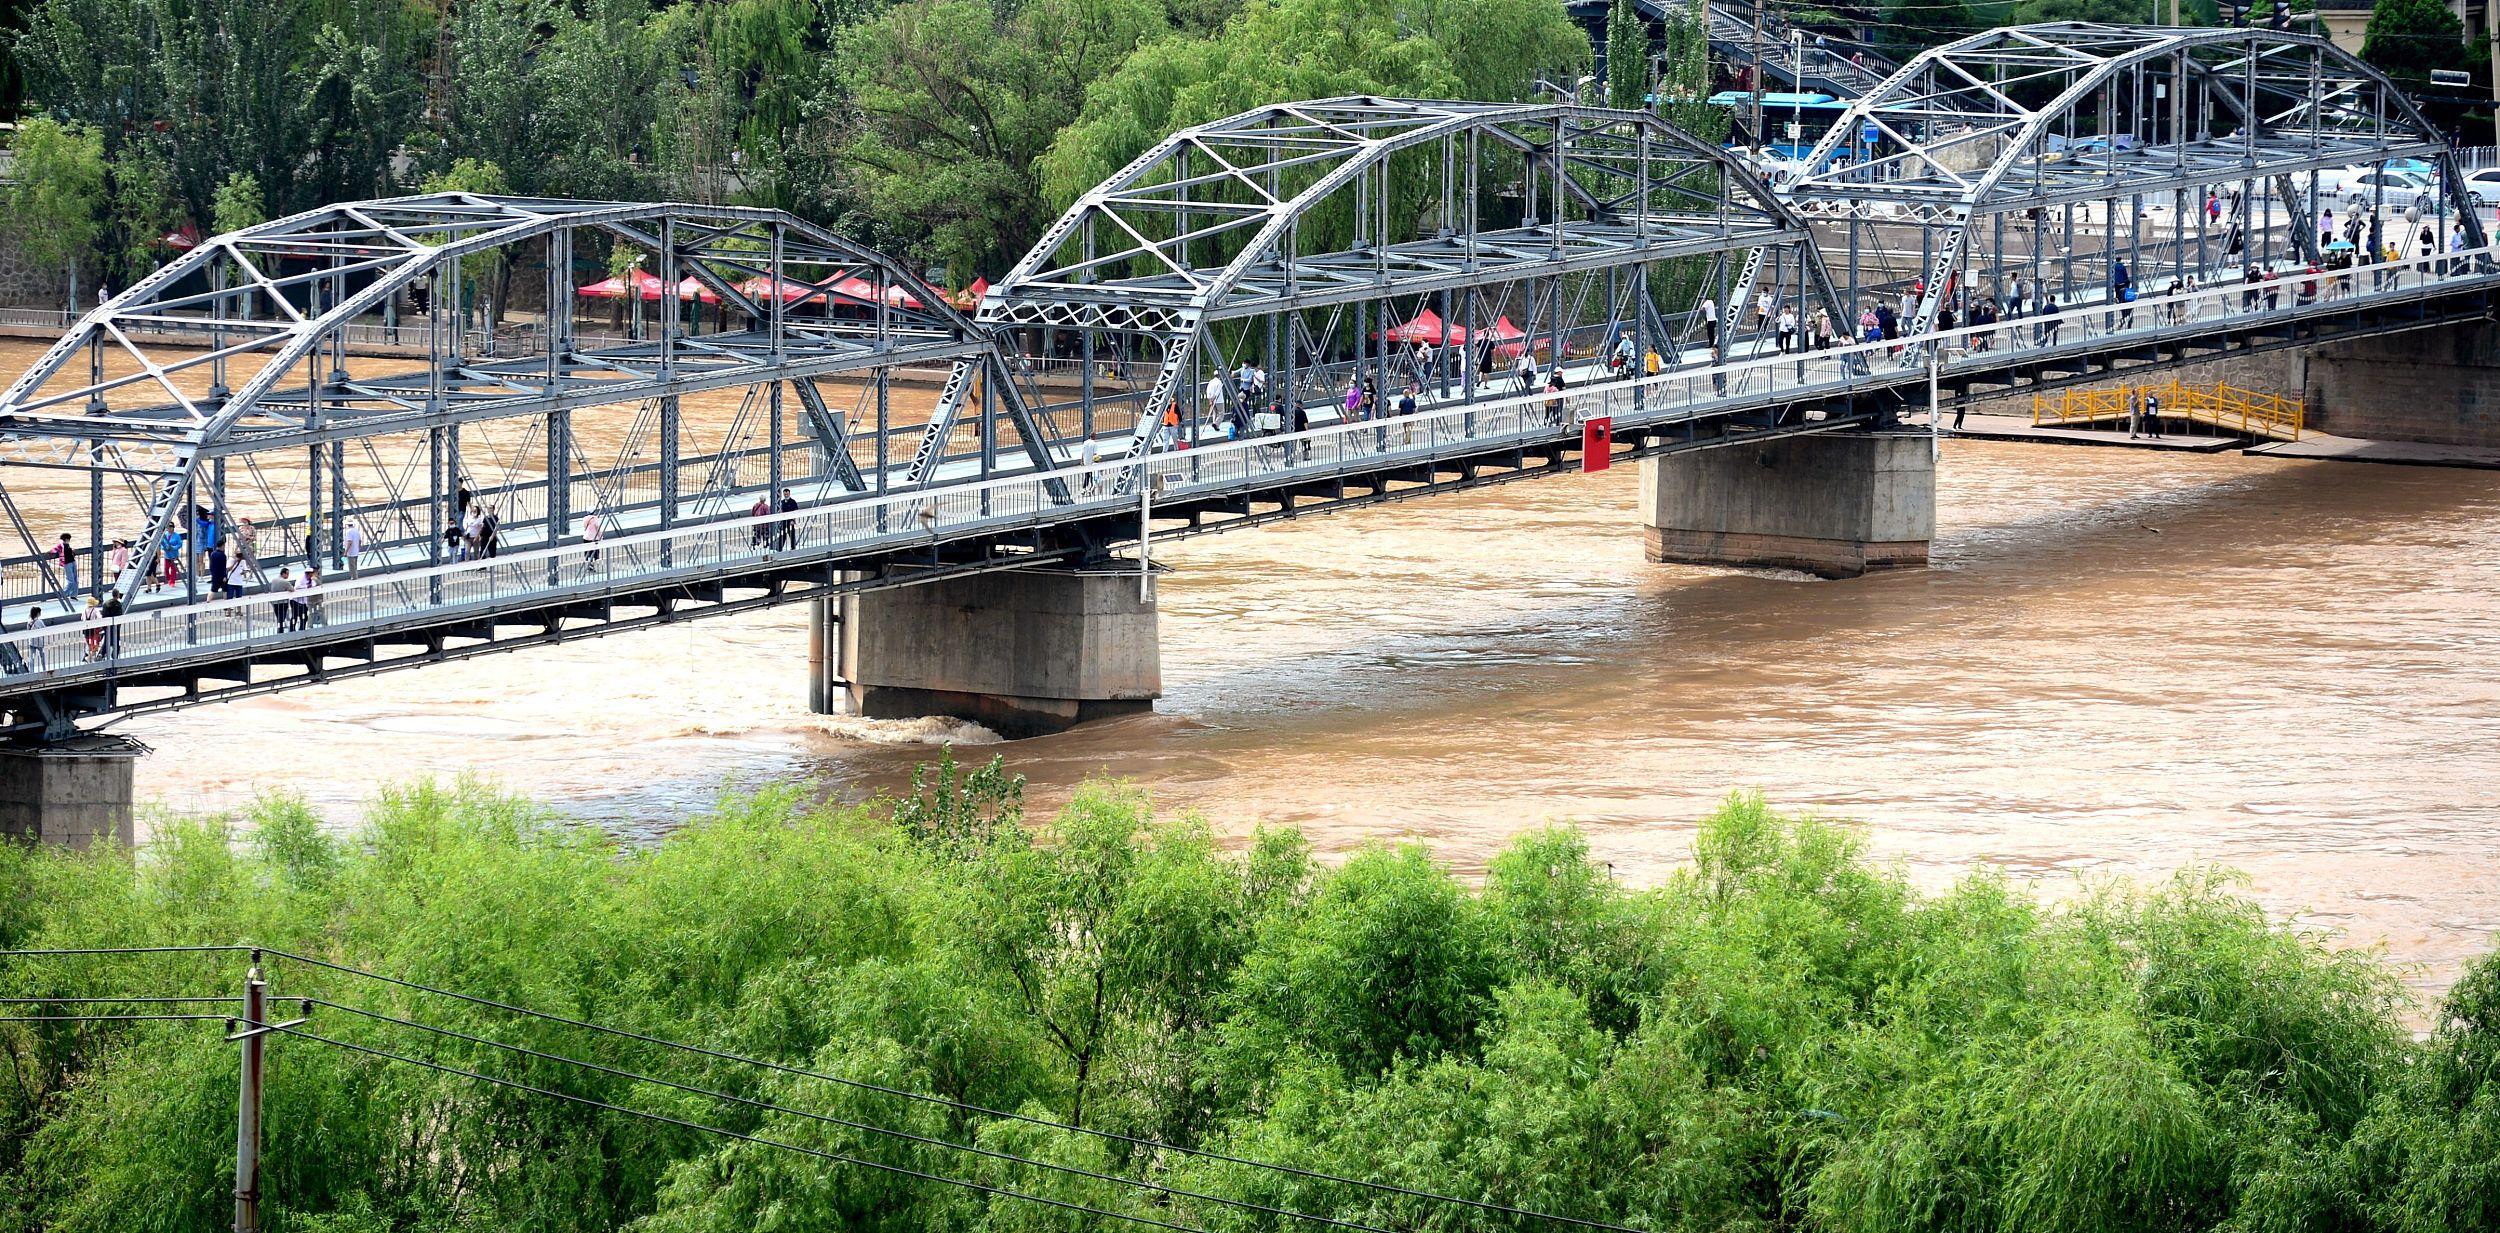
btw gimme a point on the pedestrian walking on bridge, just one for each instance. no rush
(66, 557)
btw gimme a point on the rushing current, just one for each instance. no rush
(2119, 663)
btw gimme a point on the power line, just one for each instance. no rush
(830, 1119)
(114, 1018)
(57, 952)
(683, 1123)
(160, 1001)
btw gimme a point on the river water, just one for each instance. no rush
(2119, 663)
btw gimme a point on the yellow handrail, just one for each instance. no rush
(2250, 413)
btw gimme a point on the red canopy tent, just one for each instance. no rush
(1427, 326)
(760, 289)
(1509, 340)
(647, 285)
(859, 290)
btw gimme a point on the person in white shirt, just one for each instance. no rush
(352, 545)
(1214, 410)
(1091, 456)
(307, 604)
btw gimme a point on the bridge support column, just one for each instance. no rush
(1836, 505)
(1023, 652)
(76, 794)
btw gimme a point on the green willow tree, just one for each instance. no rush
(145, 210)
(311, 100)
(1300, 49)
(952, 101)
(237, 204)
(2409, 38)
(1784, 1034)
(1627, 57)
(55, 195)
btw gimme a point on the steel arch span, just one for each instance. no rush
(1393, 241)
(218, 391)
(2049, 153)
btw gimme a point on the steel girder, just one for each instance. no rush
(240, 345)
(1295, 207)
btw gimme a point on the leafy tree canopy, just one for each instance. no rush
(2409, 38)
(1784, 1034)
(1281, 50)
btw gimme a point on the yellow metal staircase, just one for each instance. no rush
(2220, 405)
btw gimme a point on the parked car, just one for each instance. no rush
(2484, 186)
(2395, 189)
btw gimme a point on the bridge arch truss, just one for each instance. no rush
(381, 365)
(2052, 153)
(1324, 240)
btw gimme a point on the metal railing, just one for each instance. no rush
(61, 653)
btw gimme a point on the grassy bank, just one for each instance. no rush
(1782, 1036)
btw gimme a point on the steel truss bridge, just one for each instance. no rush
(775, 412)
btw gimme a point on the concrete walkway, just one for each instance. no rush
(2325, 447)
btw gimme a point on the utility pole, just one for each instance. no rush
(247, 1108)
(1753, 48)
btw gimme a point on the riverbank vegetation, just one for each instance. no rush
(1784, 1035)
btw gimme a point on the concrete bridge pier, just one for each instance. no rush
(1022, 652)
(1836, 504)
(76, 794)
